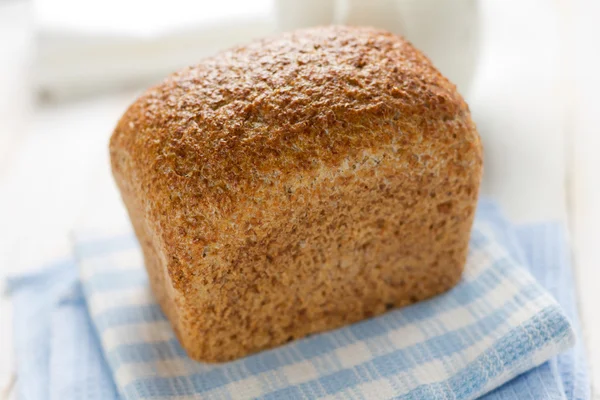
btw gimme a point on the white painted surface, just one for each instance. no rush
(584, 193)
(519, 103)
(535, 100)
(14, 109)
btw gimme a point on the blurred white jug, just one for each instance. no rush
(447, 31)
(84, 52)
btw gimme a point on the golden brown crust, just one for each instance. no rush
(297, 184)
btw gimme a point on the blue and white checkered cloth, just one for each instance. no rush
(496, 324)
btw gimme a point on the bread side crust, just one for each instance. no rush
(337, 246)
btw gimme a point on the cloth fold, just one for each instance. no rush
(496, 324)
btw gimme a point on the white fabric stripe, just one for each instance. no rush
(88, 274)
(136, 296)
(125, 260)
(145, 332)
(457, 318)
(174, 367)
(86, 270)
(409, 336)
(477, 263)
(299, 372)
(353, 354)
(379, 389)
(246, 389)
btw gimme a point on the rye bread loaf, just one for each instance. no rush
(298, 184)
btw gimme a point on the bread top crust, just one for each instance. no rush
(209, 135)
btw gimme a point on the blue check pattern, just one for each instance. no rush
(495, 324)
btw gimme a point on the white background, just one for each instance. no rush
(536, 100)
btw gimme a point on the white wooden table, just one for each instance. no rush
(535, 102)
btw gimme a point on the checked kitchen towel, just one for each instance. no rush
(496, 324)
(445, 351)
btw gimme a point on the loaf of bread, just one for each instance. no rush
(296, 185)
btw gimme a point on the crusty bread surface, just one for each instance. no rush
(298, 184)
